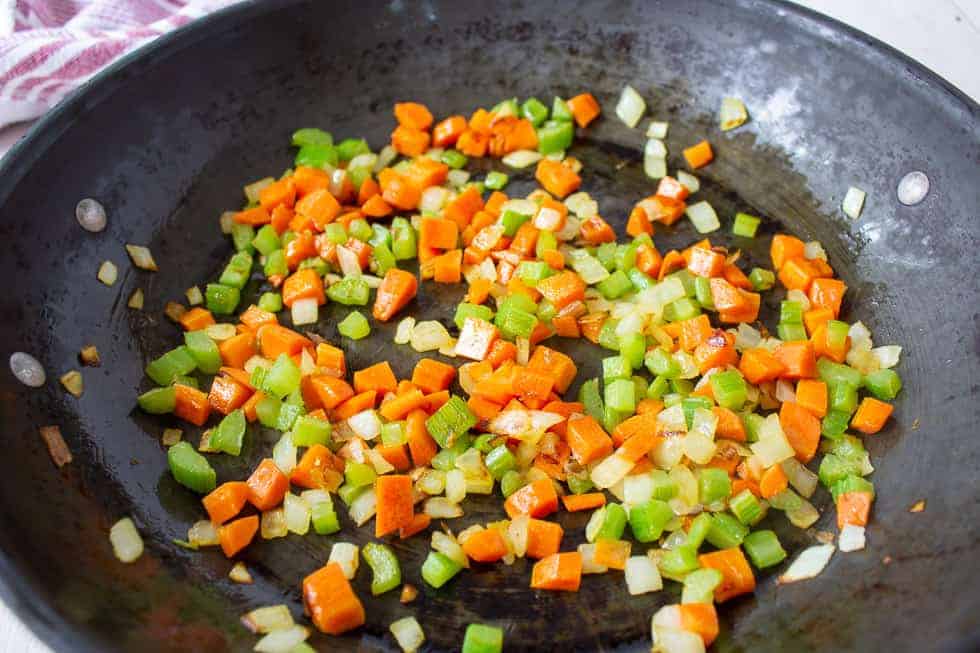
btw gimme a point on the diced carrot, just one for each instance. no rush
(225, 501)
(330, 390)
(227, 394)
(267, 485)
(664, 210)
(798, 274)
(478, 291)
(500, 352)
(369, 188)
(533, 384)
(405, 386)
(730, 425)
(584, 108)
(275, 339)
(255, 216)
(420, 443)
(235, 536)
(596, 231)
(871, 415)
(725, 296)
(612, 553)
(552, 361)
(303, 284)
(435, 400)
(317, 470)
(647, 406)
(448, 267)
(759, 365)
(448, 131)
(254, 317)
(196, 319)
(798, 360)
(747, 312)
(562, 289)
(431, 375)
(557, 179)
(591, 326)
(821, 347)
(376, 207)
(537, 499)
(670, 187)
(473, 143)
(485, 546)
(462, 209)
(812, 395)
(399, 407)
(694, 331)
(358, 403)
(396, 455)
(191, 405)
(853, 508)
(525, 239)
(579, 502)
(400, 193)
(309, 179)
(438, 233)
(250, 407)
(638, 445)
(706, 262)
(773, 482)
(784, 248)
(330, 360)
(397, 289)
(409, 141)
(816, 318)
(736, 277)
(827, 293)
(737, 577)
(413, 114)
(717, 351)
(377, 377)
(320, 206)
(648, 260)
(330, 601)
(558, 572)
(700, 618)
(699, 155)
(802, 430)
(394, 503)
(588, 441)
(420, 522)
(237, 349)
(543, 538)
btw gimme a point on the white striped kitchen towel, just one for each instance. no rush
(50, 47)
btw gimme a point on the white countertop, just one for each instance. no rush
(944, 35)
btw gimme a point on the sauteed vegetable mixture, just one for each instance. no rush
(703, 420)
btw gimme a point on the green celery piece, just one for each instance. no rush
(843, 397)
(633, 347)
(726, 531)
(268, 410)
(745, 507)
(350, 291)
(555, 136)
(496, 180)
(348, 493)
(316, 155)
(615, 285)
(658, 387)
(271, 302)
(745, 225)
(465, 310)
(221, 299)
(546, 242)
(348, 148)
(230, 432)
(713, 485)
(404, 242)
(698, 531)
(512, 220)
(266, 240)
(158, 401)
(612, 523)
(336, 233)
(852, 483)
(621, 396)
(531, 272)
(729, 389)
(355, 326)
(174, 363)
(660, 363)
(438, 569)
(282, 378)
(308, 431)
(762, 279)
(359, 474)
(480, 638)
(242, 236)
(507, 107)
(834, 424)
(616, 367)
(883, 384)
(626, 256)
(191, 469)
(560, 110)
(682, 309)
(589, 395)
(580, 484)
(534, 110)
(611, 418)
(385, 569)
(791, 332)
(687, 280)
(790, 312)
(454, 159)
(679, 562)
(287, 416)
(511, 482)
(664, 487)
(640, 280)
(763, 549)
(380, 235)
(453, 419)
(445, 460)
(383, 259)
(360, 229)
(514, 322)
(275, 264)
(499, 461)
(833, 373)
(607, 335)
(204, 350)
(647, 520)
(325, 521)
(753, 422)
(606, 254)
(691, 404)
(311, 136)
(700, 584)
(702, 292)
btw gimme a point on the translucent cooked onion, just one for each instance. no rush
(403, 332)
(589, 565)
(630, 107)
(273, 524)
(448, 546)
(136, 299)
(282, 641)
(433, 199)
(516, 423)
(429, 335)
(442, 508)
(654, 167)
(582, 205)
(611, 471)
(127, 545)
(362, 508)
(802, 479)
(297, 512)
(194, 296)
(689, 181)
(808, 564)
(657, 129)
(703, 217)
(385, 156)
(455, 486)
(284, 454)
(853, 203)
(90, 356)
(267, 619)
(346, 555)
(642, 576)
(203, 533)
(108, 273)
(142, 258)
(253, 190)
(732, 114)
(852, 538)
(408, 633)
(887, 355)
(305, 311)
(521, 159)
(349, 263)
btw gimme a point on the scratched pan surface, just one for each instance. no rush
(166, 142)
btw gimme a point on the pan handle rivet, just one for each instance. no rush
(27, 369)
(913, 188)
(91, 215)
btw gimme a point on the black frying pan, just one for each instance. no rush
(166, 139)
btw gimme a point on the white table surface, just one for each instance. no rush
(944, 35)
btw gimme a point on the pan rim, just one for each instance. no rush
(16, 589)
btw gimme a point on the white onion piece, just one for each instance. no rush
(703, 217)
(362, 508)
(515, 423)
(127, 544)
(808, 564)
(813, 250)
(408, 633)
(365, 424)
(284, 454)
(523, 350)
(517, 532)
(429, 335)
(346, 555)
(655, 148)
(654, 167)
(90, 215)
(226, 220)
(582, 205)
(433, 199)
(366, 160)
(688, 181)
(305, 311)
(785, 391)
(267, 619)
(672, 640)
(611, 471)
(637, 489)
(746, 337)
(108, 273)
(239, 574)
(887, 355)
(589, 565)
(732, 114)
(379, 462)
(457, 178)
(441, 508)
(858, 333)
(282, 641)
(203, 533)
(521, 158)
(853, 203)
(852, 538)
(522, 206)
(253, 190)
(455, 486)
(385, 156)
(403, 332)
(802, 479)
(349, 263)
(27, 369)
(142, 257)
(630, 107)
(449, 546)
(136, 299)
(642, 576)
(297, 513)
(273, 524)
(657, 129)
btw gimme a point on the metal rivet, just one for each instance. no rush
(913, 188)
(27, 369)
(91, 215)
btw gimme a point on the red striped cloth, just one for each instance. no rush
(50, 47)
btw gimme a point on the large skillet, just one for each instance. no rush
(166, 139)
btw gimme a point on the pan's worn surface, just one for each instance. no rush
(166, 141)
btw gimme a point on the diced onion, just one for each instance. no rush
(203, 533)
(365, 424)
(455, 486)
(349, 263)
(194, 296)
(268, 619)
(403, 332)
(851, 538)
(521, 159)
(171, 437)
(802, 479)
(630, 107)
(516, 423)
(688, 181)
(314, 497)
(655, 148)
(256, 361)
(385, 156)
(239, 574)
(441, 508)
(853, 203)
(366, 160)
(449, 546)
(273, 524)
(814, 250)
(379, 462)
(297, 513)
(174, 311)
(429, 335)
(610, 471)
(253, 190)
(637, 489)
(127, 544)
(524, 207)
(142, 258)
(732, 114)
(307, 364)
(284, 454)
(408, 633)
(72, 381)
(362, 508)
(654, 167)
(808, 564)
(673, 640)
(225, 221)
(887, 355)
(582, 205)
(785, 391)
(108, 273)
(457, 178)
(523, 350)
(699, 448)
(703, 217)
(858, 333)
(747, 337)
(432, 482)
(220, 332)
(305, 311)
(346, 555)
(657, 129)
(517, 531)
(589, 565)
(642, 576)
(282, 641)
(433, 199)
